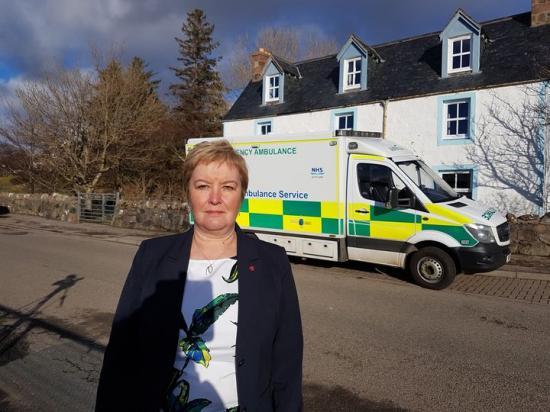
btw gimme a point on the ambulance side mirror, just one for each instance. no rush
(391, 201)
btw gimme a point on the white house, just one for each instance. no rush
(466, 99)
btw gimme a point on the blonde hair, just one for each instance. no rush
(214, 151)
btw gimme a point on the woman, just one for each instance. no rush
(208, 320)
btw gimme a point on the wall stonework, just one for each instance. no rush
(530, 236)
(54, 206)
(152, 215)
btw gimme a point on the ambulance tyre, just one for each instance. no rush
(432, 268)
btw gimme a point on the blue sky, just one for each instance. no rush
(36, 34)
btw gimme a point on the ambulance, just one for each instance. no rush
(353, 195)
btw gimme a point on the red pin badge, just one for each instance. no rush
(251, 268)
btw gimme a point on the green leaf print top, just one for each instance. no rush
(204, 378)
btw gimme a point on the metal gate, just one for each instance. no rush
(97, 207)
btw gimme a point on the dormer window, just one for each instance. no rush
(460, 45)
(353, 74)
(272, 88)
(460, 54)
(353, 62)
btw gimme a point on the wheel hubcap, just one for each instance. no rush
(430, 269)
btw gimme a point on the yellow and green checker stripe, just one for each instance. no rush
(383, 223)
(300, 216)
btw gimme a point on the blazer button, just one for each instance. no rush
(241, 363)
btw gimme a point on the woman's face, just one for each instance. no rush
(215, 196)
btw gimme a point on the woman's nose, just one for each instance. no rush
(215, 195)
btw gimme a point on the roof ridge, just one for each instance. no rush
(328, 56)
(283, 59)
(419, 36)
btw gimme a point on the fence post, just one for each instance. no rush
(78, 206)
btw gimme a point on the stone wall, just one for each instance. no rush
(530, 235)
(152, 215)
(54, 206)
(156, 215)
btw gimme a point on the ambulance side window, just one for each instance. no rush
(376, 180)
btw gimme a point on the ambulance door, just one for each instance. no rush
(377, 232)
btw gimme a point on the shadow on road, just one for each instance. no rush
(336, 398)
(395, 273)
(27, 319)
(4, 211)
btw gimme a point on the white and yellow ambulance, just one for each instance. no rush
(356, 196)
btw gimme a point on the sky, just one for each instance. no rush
(38, 34)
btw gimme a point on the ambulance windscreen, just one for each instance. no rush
(428, 181)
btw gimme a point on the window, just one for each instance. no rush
(375, 181)
(344, 121)
(272, 88)
(460, 180)
(352, 74)
(263, 128)
(460, 54)
(457, 119)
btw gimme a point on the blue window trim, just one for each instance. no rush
(462, 167)
(339, 112)
(542, 140)
(271, 70)
(442, 118)
(350, 51)
(259, 122)
(460, 25)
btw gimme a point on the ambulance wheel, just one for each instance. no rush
(432, 268)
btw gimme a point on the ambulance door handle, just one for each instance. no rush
(361, 211)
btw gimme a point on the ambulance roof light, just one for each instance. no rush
(357, 133)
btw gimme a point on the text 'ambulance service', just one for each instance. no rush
(352, 196)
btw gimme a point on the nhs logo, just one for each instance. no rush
(317, 172)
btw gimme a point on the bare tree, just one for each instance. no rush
(77, 132)
(510, 148)
(290, 43)
(45, 125)
(124, 114)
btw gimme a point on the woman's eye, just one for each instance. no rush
(227, 187)
(202, 187)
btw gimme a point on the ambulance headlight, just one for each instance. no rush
(482, 233)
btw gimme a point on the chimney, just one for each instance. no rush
(259, 59)
(540, 12)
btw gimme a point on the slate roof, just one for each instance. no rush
(511, 52)
(285, 66)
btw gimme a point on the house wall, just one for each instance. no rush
(414, 123)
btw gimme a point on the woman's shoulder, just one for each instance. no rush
(160, 244)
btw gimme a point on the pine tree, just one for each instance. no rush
(138, 68)
(199, 92)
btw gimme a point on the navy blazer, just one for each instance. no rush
(140, 355)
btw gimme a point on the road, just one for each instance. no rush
(373, 341)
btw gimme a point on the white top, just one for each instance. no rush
(205, 355)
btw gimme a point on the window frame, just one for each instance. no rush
(354, 73)
(346, 115)
(451, 54)
(445, 135)
(269, 88)
(261, 125)
(456, 172)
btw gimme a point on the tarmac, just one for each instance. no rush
(520, 267)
